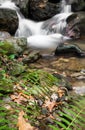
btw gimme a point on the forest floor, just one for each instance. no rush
(32, 95)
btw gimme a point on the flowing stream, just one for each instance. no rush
(28, 27)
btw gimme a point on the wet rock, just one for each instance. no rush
(79, 90)
(18, 47)
(44, 111)
(73, 48)
(31, 56)
(4, 35)
(79, 75)
(43, 9)
(64, 82)
(8, 20)
(76, 27)
(78, 5)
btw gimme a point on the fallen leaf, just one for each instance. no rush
(51, 116)
(18, 98)
(61, 92)
(50, 105)
(23, 124)
(21, 97)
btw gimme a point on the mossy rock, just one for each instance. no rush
(13, 45)
(16, 68)
(6, 84)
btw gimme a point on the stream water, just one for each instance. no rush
(28, 27)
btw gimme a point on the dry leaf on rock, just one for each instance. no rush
(22, 124)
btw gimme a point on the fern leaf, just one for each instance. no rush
(73, 116)
(54, 128)
(60, 124)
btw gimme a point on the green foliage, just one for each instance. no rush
(6, 48)
(38, 77)
(5, 119)
(6, 84)
(12, 56)
(72, 117)
(2, 51)
(38, 82)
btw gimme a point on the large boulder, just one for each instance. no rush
(8, 20)
(78, 5)
(43, 9)
(73, 48)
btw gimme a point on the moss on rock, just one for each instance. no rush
(6, 84)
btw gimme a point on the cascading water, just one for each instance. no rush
(65, 7)
(57, 23)
(27, 27)
(61, 18)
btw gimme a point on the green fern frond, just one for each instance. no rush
(39, 82)
(73, 117)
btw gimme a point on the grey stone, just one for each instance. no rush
(8, 20)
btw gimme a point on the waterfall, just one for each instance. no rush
(60, 25)
(8, 4)
(28, 27)
(65, 8)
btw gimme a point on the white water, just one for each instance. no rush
(64, 7)
(41, 34)
(29, 27)
(11, 5)
(46, 44)
(61, 18)
(46, 41)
